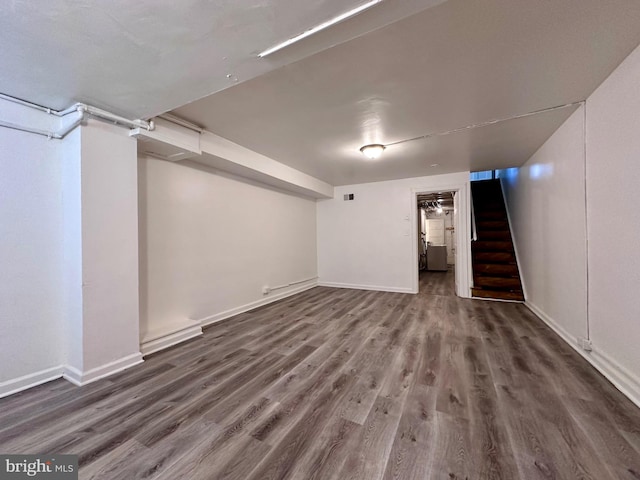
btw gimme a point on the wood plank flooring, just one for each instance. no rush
(345, 384)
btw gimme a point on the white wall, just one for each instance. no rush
(210, 241)
(31, 258)
(548, 212)
(613, 200)
(367, 242)
(68, 241)
(547, 209)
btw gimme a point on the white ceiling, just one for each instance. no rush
(458, 63)
(140, 58)
(401, 69)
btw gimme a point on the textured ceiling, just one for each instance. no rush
(144, 57)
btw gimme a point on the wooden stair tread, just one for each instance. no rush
(492, 246)
(494, 235)
(495, 270)
(497, 294)
(496, 282)
(486, 225)
(493, 257)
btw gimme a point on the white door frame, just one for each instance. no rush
(463, 236)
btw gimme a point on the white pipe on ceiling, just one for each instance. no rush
(59, 135)
(9, 98)
(21, 128)
(81, 108)
(181, 121)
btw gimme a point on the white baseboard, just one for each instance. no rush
(28, 381)
(619, 376)
(218, 317)
(151, 344)
(622, 378)
(564, 334)
(165, 339)
(376, 288)
(69, 373)
(159, 341)
(79, 378)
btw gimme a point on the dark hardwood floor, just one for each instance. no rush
(345, 384)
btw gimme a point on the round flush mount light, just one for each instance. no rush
(372, 151)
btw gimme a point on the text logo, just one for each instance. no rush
(50, 467)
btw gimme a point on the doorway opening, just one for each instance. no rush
(461, 233)
(437, 242)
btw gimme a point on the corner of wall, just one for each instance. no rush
(623, 379)
(79, 378)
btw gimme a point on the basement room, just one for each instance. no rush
(336, 239)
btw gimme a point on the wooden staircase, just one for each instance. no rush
(495, 270)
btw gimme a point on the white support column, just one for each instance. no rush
(100, 196)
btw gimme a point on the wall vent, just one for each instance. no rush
(348, 196)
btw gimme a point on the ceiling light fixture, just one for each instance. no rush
(372, 151)
(432, 206)
(317, 28)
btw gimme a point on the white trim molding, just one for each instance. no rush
(153, 342)
(463, 270)
(31, 380)
(513, 238)
(79, 378)
(157, 341)
(192, 328)
(619, 376)
(270, 298)
(622, 379)
(69, 373)
(376, 288)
